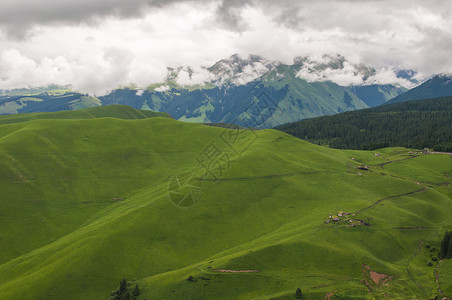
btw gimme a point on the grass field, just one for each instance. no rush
(85, 202)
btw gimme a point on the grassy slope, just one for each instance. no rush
(113, 111)
(63, 236)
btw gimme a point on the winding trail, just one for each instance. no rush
(437, 278)
(416, 253)
(258, 177)
(436, 152)
(397, 160)
(390, 197)
(234, 271)
(410, 228)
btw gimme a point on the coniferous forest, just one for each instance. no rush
(415, 124)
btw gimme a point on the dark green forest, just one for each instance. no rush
(414, 124)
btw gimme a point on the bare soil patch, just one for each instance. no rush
(234, 271)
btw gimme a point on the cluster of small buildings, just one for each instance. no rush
(341, 216)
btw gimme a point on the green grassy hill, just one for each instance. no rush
(86, 202)
(113, 111)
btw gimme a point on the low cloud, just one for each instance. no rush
(193, 76)
(342, 72)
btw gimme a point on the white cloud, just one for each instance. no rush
(99, 45)
(326, 68)
(162, 88)
(346, 75)
(388, 76)
(193, 76)
(251, 72)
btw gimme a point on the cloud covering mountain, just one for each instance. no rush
(98, 45)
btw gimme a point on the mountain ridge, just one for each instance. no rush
(223, 92)
(437, 86)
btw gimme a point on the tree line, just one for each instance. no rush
(415, 124)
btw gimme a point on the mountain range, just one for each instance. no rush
(250, 91)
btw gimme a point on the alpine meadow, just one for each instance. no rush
(88, 204)
(224, 149)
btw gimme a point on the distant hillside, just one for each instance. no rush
(274, 100)
(278, 98)
(260, 104)
(438, 86)
(374, 95)
(44, 100)
(112, 111)
(414, 124)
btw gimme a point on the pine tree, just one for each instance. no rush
(136, 291)
(125, 296)
(122, 286)
(449, 248)
(298, 294)
(445, 244)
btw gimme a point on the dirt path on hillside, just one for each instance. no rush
(234, 271)
(436, 152)
(411, 157)
(410, 228)
(410, 275)
(438, 285)
(390, 197)
(258, 177)
(393, 161)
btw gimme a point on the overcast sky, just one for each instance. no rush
(97, 45)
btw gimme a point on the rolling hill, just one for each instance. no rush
(113, 111)
(241, 214)
(414, 124)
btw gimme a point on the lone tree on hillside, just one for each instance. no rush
(122, 287)
(136, 291)
(298, 294)
(446, 246)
